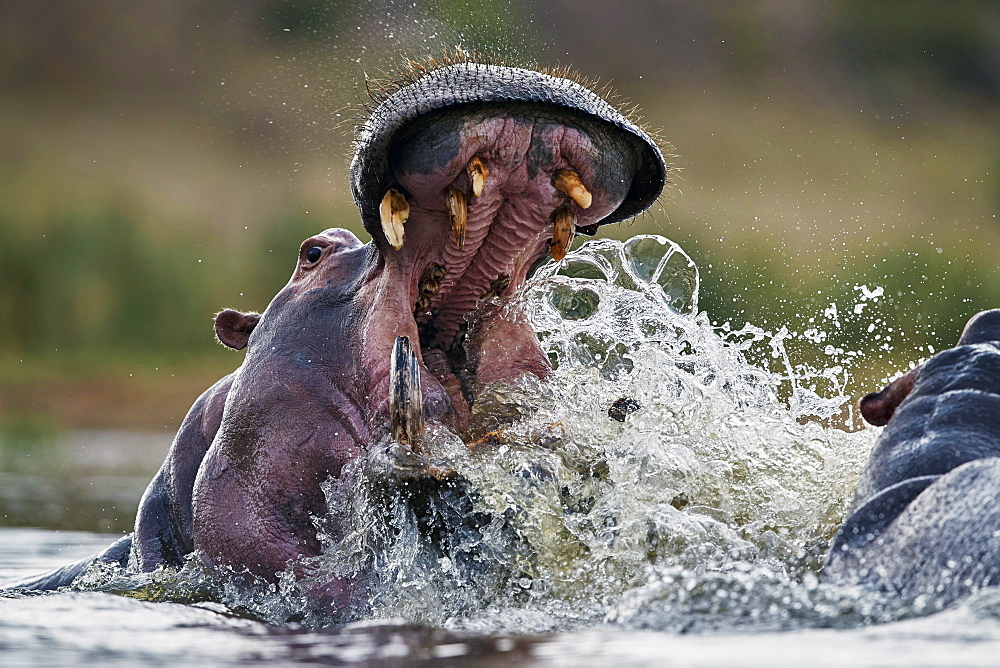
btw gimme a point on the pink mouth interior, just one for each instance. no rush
(465, 342)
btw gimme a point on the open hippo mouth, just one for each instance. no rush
(468, 178)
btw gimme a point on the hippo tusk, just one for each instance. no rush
(406, 407)
(477, 175)
(458, 214)
(394, 211)
(568, 182)
(563, 224)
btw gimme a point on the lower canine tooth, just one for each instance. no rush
(406, 407)
(477, 175)
(564, 229)
(458, 212)
(569, 182)
(394, 210)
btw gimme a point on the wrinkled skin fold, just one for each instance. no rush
(925, 519)
(467, 177)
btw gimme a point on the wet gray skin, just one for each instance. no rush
(925, 519)
(241, 485)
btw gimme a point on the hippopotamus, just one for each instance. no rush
(925, 519)
(467, 177)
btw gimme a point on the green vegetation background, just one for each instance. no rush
(160, 161)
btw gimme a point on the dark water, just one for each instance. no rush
(688, 530)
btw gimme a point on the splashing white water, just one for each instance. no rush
(657, 479)
(655, 464)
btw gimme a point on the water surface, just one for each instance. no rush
(92, 628)
(664, 498)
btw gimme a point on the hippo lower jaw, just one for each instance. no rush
(480, 198)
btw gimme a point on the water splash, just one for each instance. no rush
(657, 479)
(656, 466)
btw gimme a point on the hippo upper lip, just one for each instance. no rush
(462, 83)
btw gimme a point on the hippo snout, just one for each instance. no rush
(480, 88)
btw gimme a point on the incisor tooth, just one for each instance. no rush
(477, 175)
(569, 182)
(458, 212)
(564, 229)
(394, 210)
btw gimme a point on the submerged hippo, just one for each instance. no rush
(468, 177)
(925, 518)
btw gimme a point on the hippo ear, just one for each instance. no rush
(981, 328)
(233, 328)
(877, 408)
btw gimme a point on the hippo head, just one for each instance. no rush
(467, 177)
(878, 408)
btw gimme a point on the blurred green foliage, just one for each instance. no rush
(105, 281)
(303, 19)
(941, 45)
(161, 161)
(926, 301)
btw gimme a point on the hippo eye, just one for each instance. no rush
(314, 253)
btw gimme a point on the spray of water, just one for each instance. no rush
(656, 465)
(657, 479)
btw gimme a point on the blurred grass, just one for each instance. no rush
(171, 164)
(118, 328)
